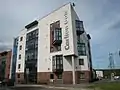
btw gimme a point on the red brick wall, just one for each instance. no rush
(85, 80)
(43, 77)
(21, 79)
(67, 77)
(8, 62)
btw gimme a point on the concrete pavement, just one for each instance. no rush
(55, 87)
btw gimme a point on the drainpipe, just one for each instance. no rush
(73, 67)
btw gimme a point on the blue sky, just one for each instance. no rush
(101, 19)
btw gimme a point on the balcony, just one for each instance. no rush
(79, 31)
(79, 27)
(57, 42)
(88, 35)
(57, 36)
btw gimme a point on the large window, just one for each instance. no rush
(58, 62)
(51, 76)
(81, 49)
(31, 54)
(57, 34)
(81, 61)
(81, 75)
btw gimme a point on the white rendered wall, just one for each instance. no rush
(84, 38)
(44, 56)
(22, 52)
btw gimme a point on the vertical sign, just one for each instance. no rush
(66, 36)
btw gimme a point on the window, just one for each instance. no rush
(58, 48)
(52, 76)
(20, 47)
(82, 75)
(78, 39)
(19, 66)
(81, 61)
(81, 49)
(21, 38)
(59, 76)
(57, 34)
(79, 25)
(20, 56)
(57, 62)
(18, 75)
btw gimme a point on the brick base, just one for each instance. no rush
(85, 80)
(43, 77)
(67, 78)
(20, 80)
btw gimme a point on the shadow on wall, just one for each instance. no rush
(69, 60)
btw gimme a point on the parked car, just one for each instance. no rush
(7, 82)
(116, 77)
(0, 83)
(10, 82)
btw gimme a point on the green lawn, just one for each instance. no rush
(107, 86)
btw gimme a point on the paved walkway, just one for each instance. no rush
(62, 86)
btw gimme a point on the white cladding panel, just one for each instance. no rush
(21, 52)
(45, 57)
(67, 17)
(84, 39)
(67, 63)
(84, 67)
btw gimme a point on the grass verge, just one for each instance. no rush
(106, 86)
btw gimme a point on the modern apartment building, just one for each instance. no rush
(14, 59)
(54, 49)
(5, 59)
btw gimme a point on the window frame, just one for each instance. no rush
(18, 75)
(82, 75)
(81, 49)
(19, 56)
(19, 66)
(20, 48)
(81, 61)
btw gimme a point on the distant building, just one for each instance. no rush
(14, 59)
(5, 59)
(54, 48)
(106, 73)
(99, 74)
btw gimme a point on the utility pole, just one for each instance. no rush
(111, 65)
(111, 61)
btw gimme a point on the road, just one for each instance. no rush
(28, 88)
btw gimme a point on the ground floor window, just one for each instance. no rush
(51, 76)
(59, 75)
(18, 75)
(81, 75)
